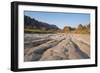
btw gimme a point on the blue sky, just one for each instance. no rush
(60, 19)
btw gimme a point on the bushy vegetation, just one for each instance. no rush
(36, 31)
(84, 29)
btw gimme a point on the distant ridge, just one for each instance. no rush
(31, 23)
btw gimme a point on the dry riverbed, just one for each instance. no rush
(43, 47)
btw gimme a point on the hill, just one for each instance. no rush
(33, 25)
